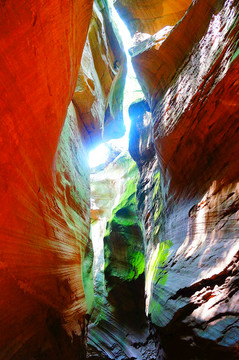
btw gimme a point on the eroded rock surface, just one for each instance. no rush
(42, 304)
(124, 254)
(192, 90)
(99, 92)
(119, 328)
(149, 16)
(172, 252)
(46, 252)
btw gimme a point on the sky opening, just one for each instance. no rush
(132, 92)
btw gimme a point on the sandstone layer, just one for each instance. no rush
(118, 327)
(149, 16)
(190, 83)
(166, 266)
(43, 237)
(98, 97)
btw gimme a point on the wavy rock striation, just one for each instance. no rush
(118, 328)
(149, 16)
(124, 254)
(190, 82)
(44, 220)
(175, 249)
(98, 97)
(45, 253)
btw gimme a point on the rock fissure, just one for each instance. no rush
(136, 258)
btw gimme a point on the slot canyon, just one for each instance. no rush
(134, 257)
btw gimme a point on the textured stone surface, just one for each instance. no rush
(108, 184)
(149, 16)
(149, 197)
(192, 273)
(186, 152)
(100, 85)
(118, 328)
(42, 236)
(124, 254)
(157, 67)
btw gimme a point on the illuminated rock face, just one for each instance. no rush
(118, 327)
(149, 16)
(44, 220)
(186, 152)
(99, 93)
(192, 270)
(124, 254)
(45, 251)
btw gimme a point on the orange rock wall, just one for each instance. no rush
(191, 215)
(98, 97)
(149, 16)
(41, 244)
(157, 67)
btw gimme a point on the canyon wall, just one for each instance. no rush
(118, 326)
(174, 250)
(189, 208)
(46, 252)
(146, 16)
(42, 296)
(184, 139)
(98, 96)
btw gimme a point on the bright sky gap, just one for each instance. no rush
(132, 92)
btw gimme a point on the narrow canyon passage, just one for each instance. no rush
(135, 257)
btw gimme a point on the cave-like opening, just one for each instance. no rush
(117, 235)
(161, 279)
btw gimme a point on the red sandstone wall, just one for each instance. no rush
(149, 16)
(40, 50)
(190, 80)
